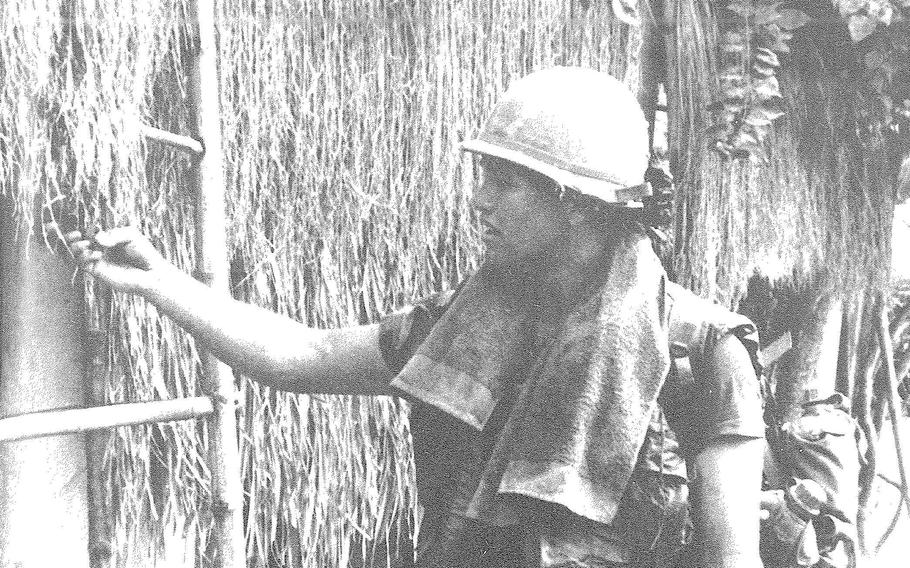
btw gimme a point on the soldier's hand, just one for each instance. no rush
(122, 257)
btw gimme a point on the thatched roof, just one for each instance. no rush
(823, 202)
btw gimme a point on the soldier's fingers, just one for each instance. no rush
(81, 245)
(81, 249)
(116, 236)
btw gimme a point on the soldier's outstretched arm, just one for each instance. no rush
(271, 348)
(728, 481)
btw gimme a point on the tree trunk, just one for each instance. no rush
(811, 368)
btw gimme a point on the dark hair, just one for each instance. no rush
(614, 219)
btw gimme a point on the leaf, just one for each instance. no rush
(734, 93)
(765, 15)
(762, 70)
(881, 11)
(766, 88)
(626, 11)
(751, 139)
(762, 116)
(861, 26)
(790, 19)
(722, 148)
(766, 57)
(756, 120)
(774, 38)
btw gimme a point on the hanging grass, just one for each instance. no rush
(347, 198)
(342, 121)
(823, 203)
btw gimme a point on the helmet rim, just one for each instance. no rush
(582, 128)
(609, 191)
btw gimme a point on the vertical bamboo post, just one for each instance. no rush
(211, 259)
(653, 58)
(96, 348)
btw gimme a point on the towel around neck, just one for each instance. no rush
(585, 393)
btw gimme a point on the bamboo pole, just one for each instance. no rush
(76, 420)
(185, 143)
(228, 550)
(99, 530)
(653, 63)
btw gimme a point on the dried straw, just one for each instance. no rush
(824, 203)
(353, 201)
(347, 198)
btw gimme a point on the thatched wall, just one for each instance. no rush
(821, 208)
(347, 198)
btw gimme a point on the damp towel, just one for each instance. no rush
(573, 434)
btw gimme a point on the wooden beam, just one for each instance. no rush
(185, 143)
(76, 420)
(208, 181)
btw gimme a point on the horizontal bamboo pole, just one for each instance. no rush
(184, 143)
(778, 348)
(75, 420)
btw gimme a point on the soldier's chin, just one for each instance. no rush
(507, 265)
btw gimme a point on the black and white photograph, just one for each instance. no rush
(454, 283)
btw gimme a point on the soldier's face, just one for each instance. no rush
(523, 221)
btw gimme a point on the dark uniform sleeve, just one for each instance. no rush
(402, 332)
(708, 403)
(732, 399)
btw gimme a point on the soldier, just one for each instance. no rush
(556, 391)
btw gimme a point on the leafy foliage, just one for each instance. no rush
(754, 37)
(884, 56)
(819, 200)
(864, 17)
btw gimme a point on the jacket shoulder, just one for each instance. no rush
(695, 325)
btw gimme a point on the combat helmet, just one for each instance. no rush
(581, 128)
